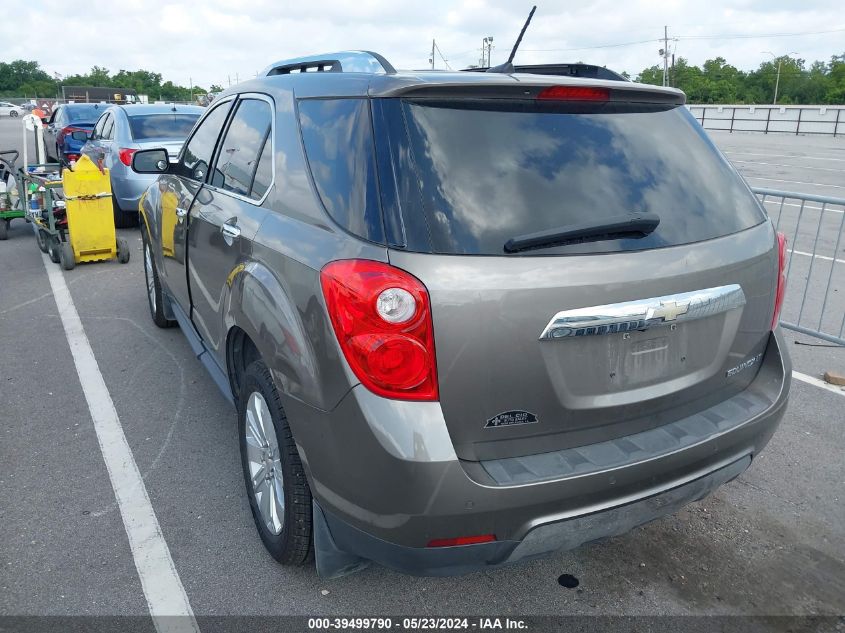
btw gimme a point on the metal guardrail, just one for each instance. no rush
(815, 290)
(827, 120)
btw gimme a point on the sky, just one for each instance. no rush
(222, 41)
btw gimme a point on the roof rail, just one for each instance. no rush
(341, 62)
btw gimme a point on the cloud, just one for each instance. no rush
(216, 41)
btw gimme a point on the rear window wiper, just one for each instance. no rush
(615, 227)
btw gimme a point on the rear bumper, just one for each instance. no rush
(387, 483)
(128, 189)
(542, 540)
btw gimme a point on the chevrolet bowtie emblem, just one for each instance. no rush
(668, 311)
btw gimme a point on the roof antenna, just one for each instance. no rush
(507, 67)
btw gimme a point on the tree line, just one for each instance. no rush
(715, 81)
(22, 78)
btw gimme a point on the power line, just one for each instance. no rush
(586, 48)
(686, 37)
(439, 52)
(750, 36)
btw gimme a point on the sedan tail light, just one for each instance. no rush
(781, 287)
(70, 129)
(125, 154)
(381, 316)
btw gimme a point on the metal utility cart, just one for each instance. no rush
(40, 187)
(11, 207)
(72, 213)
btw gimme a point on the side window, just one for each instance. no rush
(264, 172)
(245, 154)
(338, 141)
(98, 128)
(56, 115)
(197, 154)
(108, 127)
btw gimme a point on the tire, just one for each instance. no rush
(41, 238)
(123, 219)
(53, 250)
(122, 251)
(66, 256)
(288, 538)
(13, 114)
(4, 229)
(154, 295)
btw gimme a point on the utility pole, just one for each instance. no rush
(487, 45)
(777, 78)
(432, 54)
(665, 55)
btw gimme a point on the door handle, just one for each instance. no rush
(180, 212)
(230, 230)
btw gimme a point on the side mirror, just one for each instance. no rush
(150, 161)
(80, 135)
(45, 120)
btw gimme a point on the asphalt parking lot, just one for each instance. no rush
(771, 542)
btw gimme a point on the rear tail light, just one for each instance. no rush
(70, 129)
(461, 540)
(574, 93)
(381, 316)
(125, 155)
(72, 157)
(781, 289)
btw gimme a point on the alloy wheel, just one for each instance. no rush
(265, 466)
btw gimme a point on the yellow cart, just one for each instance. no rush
(90, 216)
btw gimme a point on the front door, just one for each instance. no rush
(177, 189)
(227, 213)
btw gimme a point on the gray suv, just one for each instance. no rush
(467, 318)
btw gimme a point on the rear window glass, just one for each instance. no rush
(338, 141)
(176, 126)
(486, 172)
(84, 112)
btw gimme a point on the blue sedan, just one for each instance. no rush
(124, 129)
(66, 119)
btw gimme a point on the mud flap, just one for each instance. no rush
(332, 562)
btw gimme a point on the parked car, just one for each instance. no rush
(66, 119)
(10, 109)
(467, 318)
(124, 129)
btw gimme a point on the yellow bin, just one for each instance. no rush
(90, 215)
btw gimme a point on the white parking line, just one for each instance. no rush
(824, 257)
(810, 380)
(162, 587)
(754, 162)
(801, 156)
(793, 182)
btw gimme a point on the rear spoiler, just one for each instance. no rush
(510, 87)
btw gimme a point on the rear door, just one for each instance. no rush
(177, 190)
(227, 213)
(579, 340)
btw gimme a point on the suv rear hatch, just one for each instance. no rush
(578, 338)
(649, 327)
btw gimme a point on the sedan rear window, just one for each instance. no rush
(465, 177)
(175, 126)
(84, 112)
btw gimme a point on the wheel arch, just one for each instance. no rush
(262, 322)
